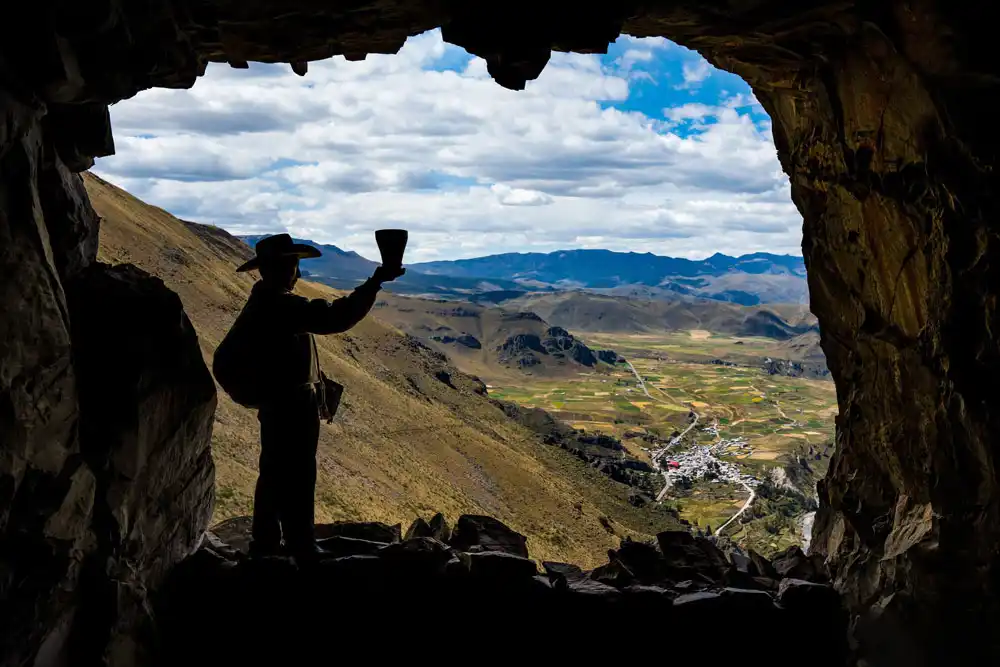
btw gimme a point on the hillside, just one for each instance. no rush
(748, 280)
(490, 342)
(414, 434)
(588, 312)
(804, 347)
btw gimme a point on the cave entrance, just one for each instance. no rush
(677, 153)
(880, 116)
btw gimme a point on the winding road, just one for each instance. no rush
(642, 383)
(746, 506)
(674, 441)
(659, 455)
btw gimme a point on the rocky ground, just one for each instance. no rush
(471, 593)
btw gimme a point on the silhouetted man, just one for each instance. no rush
(289, 408)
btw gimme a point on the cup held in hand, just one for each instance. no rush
(391, 243)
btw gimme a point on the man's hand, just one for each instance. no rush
(385, 274)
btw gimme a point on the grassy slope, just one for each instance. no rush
(404, 444)
(490, 325)
(582, 311)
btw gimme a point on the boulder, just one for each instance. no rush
(214, 544)
(743, 564)
(591, 589)
(614, 573)
(501, 566)
(763, 565)
(767, 584)
(353, 569)
(643, 560)
(417, 556)
(483, 533)
(147, 403)
(339, 546)
(686, 556)
(437, 528)
(792, 563)
(374, 531)
(716, 560)
(699, 600)
(560, 573)
(747, 599)
(440, 530)
(808, 597)
(235, 532)
(670, 541)
(419, 528)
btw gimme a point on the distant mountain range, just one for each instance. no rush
(747, 280)
(758, 278)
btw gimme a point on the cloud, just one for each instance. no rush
(585, 156)
(519, 197)
(696, 71)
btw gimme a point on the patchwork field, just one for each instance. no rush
(773, 421)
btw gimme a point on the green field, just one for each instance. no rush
(785, 420)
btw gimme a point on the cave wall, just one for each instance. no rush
(882, 118)
(106, 413)
(46, 493)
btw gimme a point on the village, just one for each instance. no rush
(683, 467)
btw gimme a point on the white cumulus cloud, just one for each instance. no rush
(426, 140)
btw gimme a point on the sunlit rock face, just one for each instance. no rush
(882, 117)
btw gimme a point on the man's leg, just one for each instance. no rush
(266, 528)
(298, 494)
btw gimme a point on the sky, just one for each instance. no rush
(647, 148)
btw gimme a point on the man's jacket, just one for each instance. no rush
(282, 324)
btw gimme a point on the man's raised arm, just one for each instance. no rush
(320, 316)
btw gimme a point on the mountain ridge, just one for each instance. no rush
(748, 280)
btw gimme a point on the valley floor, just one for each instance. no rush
(700, 407)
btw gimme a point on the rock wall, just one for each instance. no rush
(106, 410)
(46, 491)
(882, 116)
(893, 173)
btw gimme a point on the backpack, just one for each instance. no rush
(236, 364)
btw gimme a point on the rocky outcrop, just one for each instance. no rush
(686, 588)
(609, 356)
(521, 349)
(560, 342)
(147, 404)
(557, 344)
(795, 369)
(466, 340)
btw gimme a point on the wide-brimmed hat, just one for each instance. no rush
(279, 245)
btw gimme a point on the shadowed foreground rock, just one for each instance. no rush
(147, 404)
(95, 526)
(431, 598)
